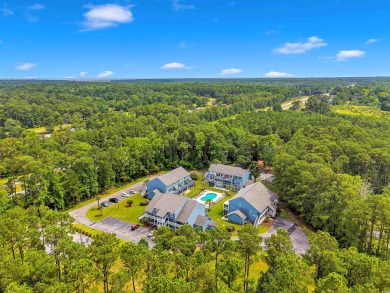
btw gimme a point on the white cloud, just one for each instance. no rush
(371, 41)
(37, 7)
(83, 74)
(326, 57)
(177, 5)
(106, 73)
(230, 71)
(174, 65)
(6, 11)
(25, 66)
(31, 18)
(275, 74)
(344, 55)
(103, 16)
(301, 47)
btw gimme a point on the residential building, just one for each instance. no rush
(221, 176)
(175, 181)
(251, 204)
(173, 210)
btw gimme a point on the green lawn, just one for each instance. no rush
(42, 130)
(198, 187)
(110, 191)
(216, 213)
(125, 213)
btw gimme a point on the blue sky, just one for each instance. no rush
(194, 38)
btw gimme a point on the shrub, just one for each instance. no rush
(230, 229)
(144, 203)
(194, 176)
(129, 202)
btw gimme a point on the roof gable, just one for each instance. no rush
(186, 211)
(238, 213)
(173, 176)
(257, 195)
(165, 203)
(225, 169)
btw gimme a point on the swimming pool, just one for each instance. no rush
(210, 195)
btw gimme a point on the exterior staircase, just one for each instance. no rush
(144, 191)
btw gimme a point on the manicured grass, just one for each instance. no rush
(198, 187)
(125, 213)
(110, 191)
(86, 229)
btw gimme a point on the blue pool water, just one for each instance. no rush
(211, 196)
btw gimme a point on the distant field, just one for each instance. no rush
(360, 111)
(42, 130)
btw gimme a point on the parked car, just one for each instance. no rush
(135, 226)
(133, 191)
(124, 194)
(113, 199)
(150, 235)
(105, 204)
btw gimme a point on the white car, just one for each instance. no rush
(124, 194)
(133, 191)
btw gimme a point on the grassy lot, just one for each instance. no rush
(216, 213)
(354, 110)
(110, 191)
(125, 213)
(42, 130)
(87, 229)
(198, 187)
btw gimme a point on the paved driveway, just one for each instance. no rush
(297, 236)
(122, 229)
(113, 227)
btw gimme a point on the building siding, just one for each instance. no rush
(155, 184)
(236, 182)
(200, 209)
(245, 207)
(235, 219)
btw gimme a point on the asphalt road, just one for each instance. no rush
(298, 238)
(118, 228)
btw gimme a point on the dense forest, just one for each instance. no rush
(331, 169)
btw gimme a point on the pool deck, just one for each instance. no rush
(220, 195)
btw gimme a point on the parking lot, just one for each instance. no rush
(123, 230)
(298, 238)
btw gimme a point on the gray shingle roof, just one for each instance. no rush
(186, 211)
(173, 176)
(257, 195)
(165, 203)
(229, 170)
(200, 221)
(238, 213)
